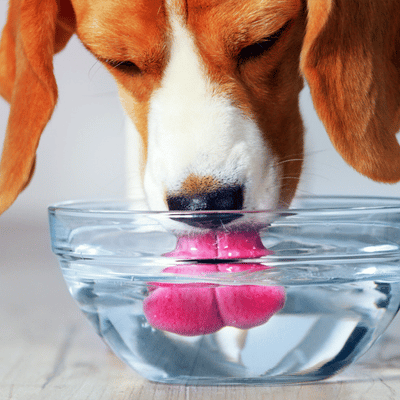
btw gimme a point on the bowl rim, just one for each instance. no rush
(361, 204)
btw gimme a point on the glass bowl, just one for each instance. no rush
(234, 297)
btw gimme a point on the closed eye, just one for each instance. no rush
(256, 50)
(127, 67)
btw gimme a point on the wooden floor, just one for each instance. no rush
(49, 351)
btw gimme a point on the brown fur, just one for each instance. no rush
(351, 59)
(349, 52)
(194, 184)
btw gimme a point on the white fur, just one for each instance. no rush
(135, 190)
(194, 130)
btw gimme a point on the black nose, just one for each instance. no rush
(223, 199)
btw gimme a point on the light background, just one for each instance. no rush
(82, 151)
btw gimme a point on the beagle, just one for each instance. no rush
(211, 88)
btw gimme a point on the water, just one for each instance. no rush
(322, 327)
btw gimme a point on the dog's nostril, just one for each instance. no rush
(224, 198)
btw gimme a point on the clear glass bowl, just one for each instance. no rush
(234, 297)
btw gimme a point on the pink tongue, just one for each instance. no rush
(196, 309)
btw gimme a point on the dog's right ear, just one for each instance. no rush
(35, 30)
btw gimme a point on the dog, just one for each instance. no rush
(211, 89)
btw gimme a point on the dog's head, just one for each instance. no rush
(212, 88)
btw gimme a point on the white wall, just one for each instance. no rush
(81, 153)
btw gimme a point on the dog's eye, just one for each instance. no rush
(128, 67)
(257, 49)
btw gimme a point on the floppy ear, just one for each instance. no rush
(34, 31)
(351, 60)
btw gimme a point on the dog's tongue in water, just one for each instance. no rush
(198, 309)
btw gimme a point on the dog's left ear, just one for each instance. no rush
(34, 31)
(351, 60)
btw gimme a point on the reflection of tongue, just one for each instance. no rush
(195, 309)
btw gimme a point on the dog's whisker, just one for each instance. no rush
(304, 192)
(310, 153)
(300, 157)
(289, 161)
(290, 178)
(92, 73)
